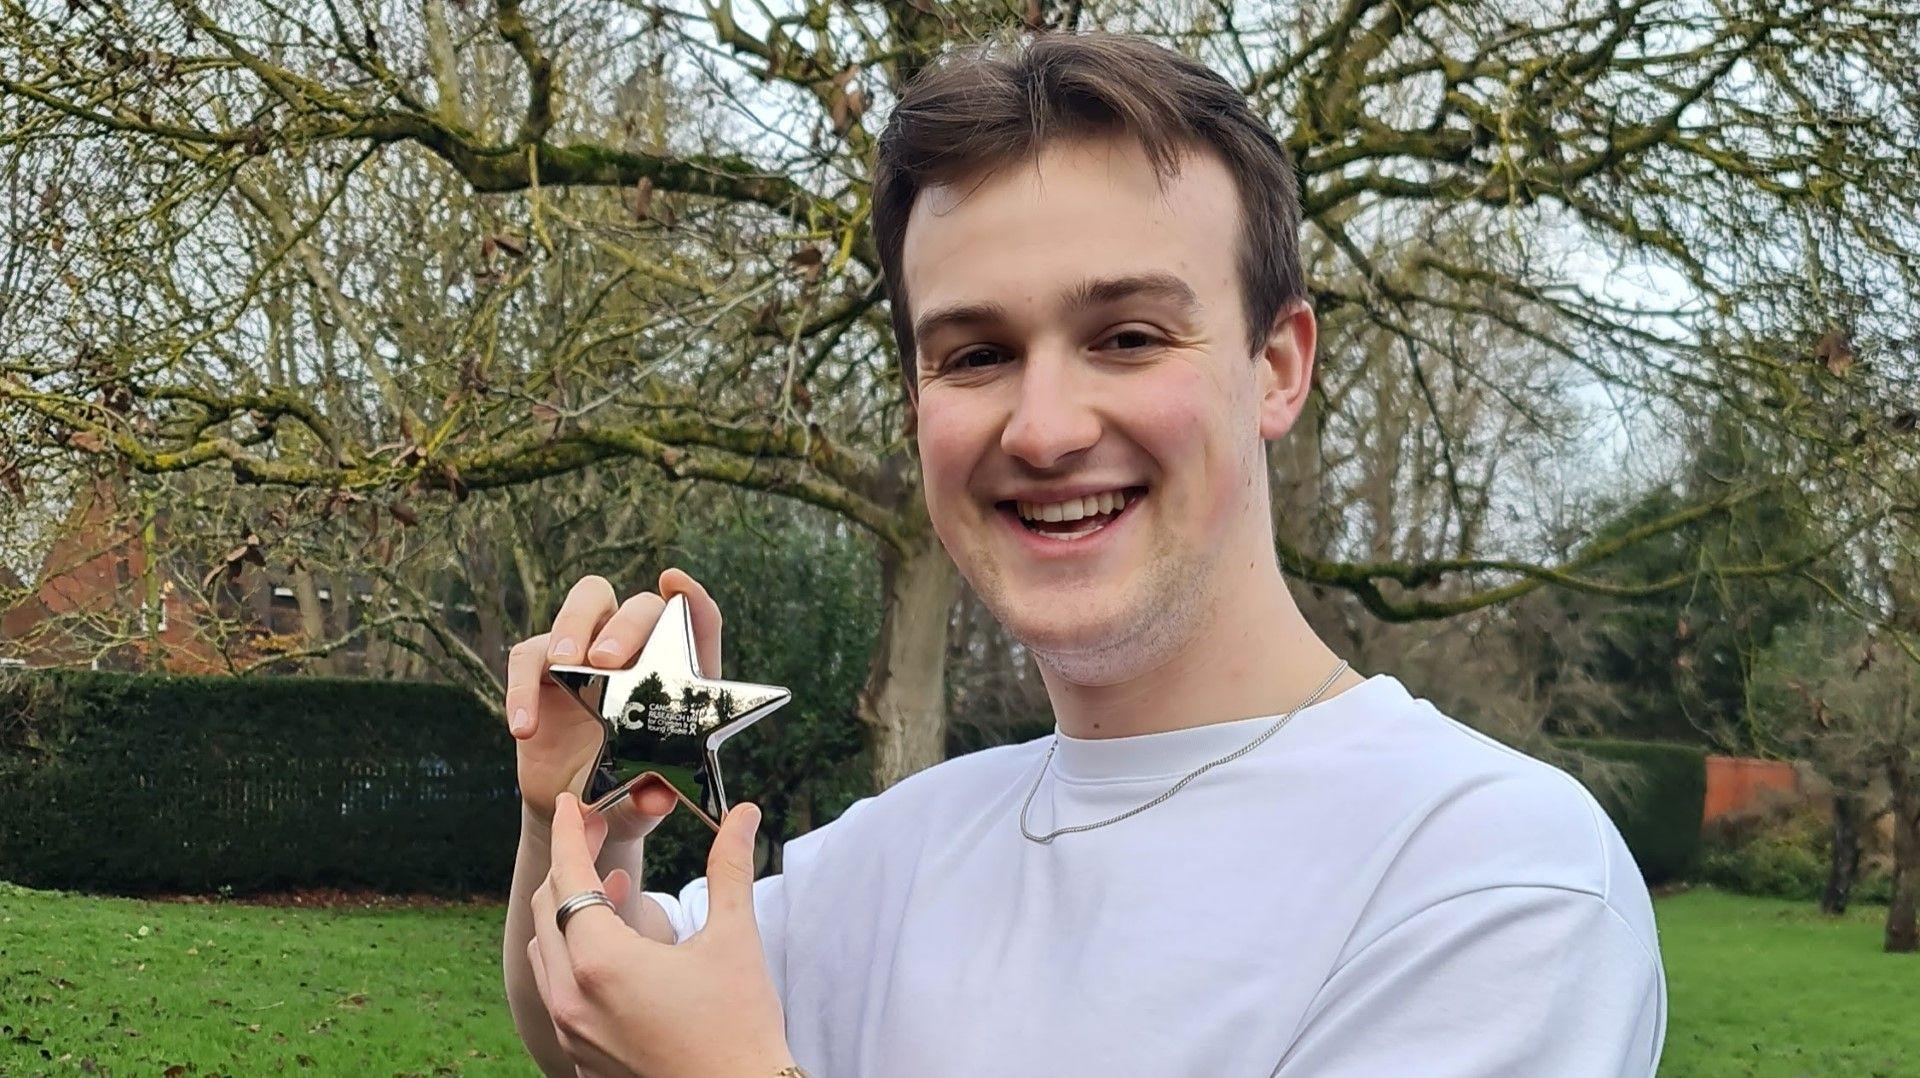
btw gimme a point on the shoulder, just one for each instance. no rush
(1466, 812)
(1458, 823)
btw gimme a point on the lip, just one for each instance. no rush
(1041, 547)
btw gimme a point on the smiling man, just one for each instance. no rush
(1234, 856)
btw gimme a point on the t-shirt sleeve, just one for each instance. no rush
(1505, 980)
(687, 912)
(772, 895)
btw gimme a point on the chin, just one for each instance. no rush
(1111, 639)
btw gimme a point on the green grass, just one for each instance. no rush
(1762, 986)
(1758, 987)
(138, 987)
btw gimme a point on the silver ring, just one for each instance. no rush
(580, 902)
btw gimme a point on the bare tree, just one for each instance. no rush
(385, 251)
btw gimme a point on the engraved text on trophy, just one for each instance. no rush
(652, 710)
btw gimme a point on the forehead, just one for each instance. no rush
(1020, 235)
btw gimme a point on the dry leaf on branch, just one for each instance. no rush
(11, 481)
(1834, 350)
(809, 262)
(234, 561)
(454, 483)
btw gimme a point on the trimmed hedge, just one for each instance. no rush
(138, 783)
(1659, 814)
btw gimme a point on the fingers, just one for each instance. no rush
(588, 606)
(573, 872)
(595, 825)
(730, 869)
(706, 617)
(526, 665)
(539, 973)
(547, 953)
(651, 795)
(591, 628)
(573, 850)
(619, 640)
(618, 885)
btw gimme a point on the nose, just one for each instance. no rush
(1053, 416)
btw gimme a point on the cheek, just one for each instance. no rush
(1177, 415)
(951, 439)
(1198, 429)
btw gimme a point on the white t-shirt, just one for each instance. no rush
(1375, 891)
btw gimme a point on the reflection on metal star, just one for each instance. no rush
(662, 710)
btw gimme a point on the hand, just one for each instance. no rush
(624, 1004)
(557, 741)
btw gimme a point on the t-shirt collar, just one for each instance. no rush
(1172, 753)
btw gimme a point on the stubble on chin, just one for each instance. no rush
(1162, 612)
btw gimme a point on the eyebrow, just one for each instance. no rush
(1092, 292)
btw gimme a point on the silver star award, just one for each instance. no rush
(663, 710)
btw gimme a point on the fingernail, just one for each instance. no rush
(605, 647)
(562, 648)
(520, 720)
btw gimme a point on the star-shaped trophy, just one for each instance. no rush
(663, 710)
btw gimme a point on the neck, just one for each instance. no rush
(1254, 654)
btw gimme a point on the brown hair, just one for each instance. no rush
(983, 107)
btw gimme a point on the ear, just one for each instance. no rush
(1285, 369)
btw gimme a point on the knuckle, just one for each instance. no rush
(593, 975)
(570, 1015)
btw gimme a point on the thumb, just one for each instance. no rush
(730, 868)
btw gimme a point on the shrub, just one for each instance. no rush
(140, 783)
(1784, 853)
(1774, 865)
(1658, 809)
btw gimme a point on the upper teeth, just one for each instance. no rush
(1073, 508)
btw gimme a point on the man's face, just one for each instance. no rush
(1090, 418)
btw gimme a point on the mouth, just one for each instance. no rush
(1072, 519)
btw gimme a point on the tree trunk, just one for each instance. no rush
(1901, 935)
(314, 627)
(1843, 867)
(903, 705)
(492, 631)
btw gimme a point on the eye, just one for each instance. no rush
(975, 358)
(1140, 337)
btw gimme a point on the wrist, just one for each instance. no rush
(535, 826)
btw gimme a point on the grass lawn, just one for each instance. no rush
(1761, 986)
(143, 987)
(1758, 986)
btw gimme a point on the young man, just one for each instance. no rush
(1234, 857)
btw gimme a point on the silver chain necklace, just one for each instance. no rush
(1176, 787)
